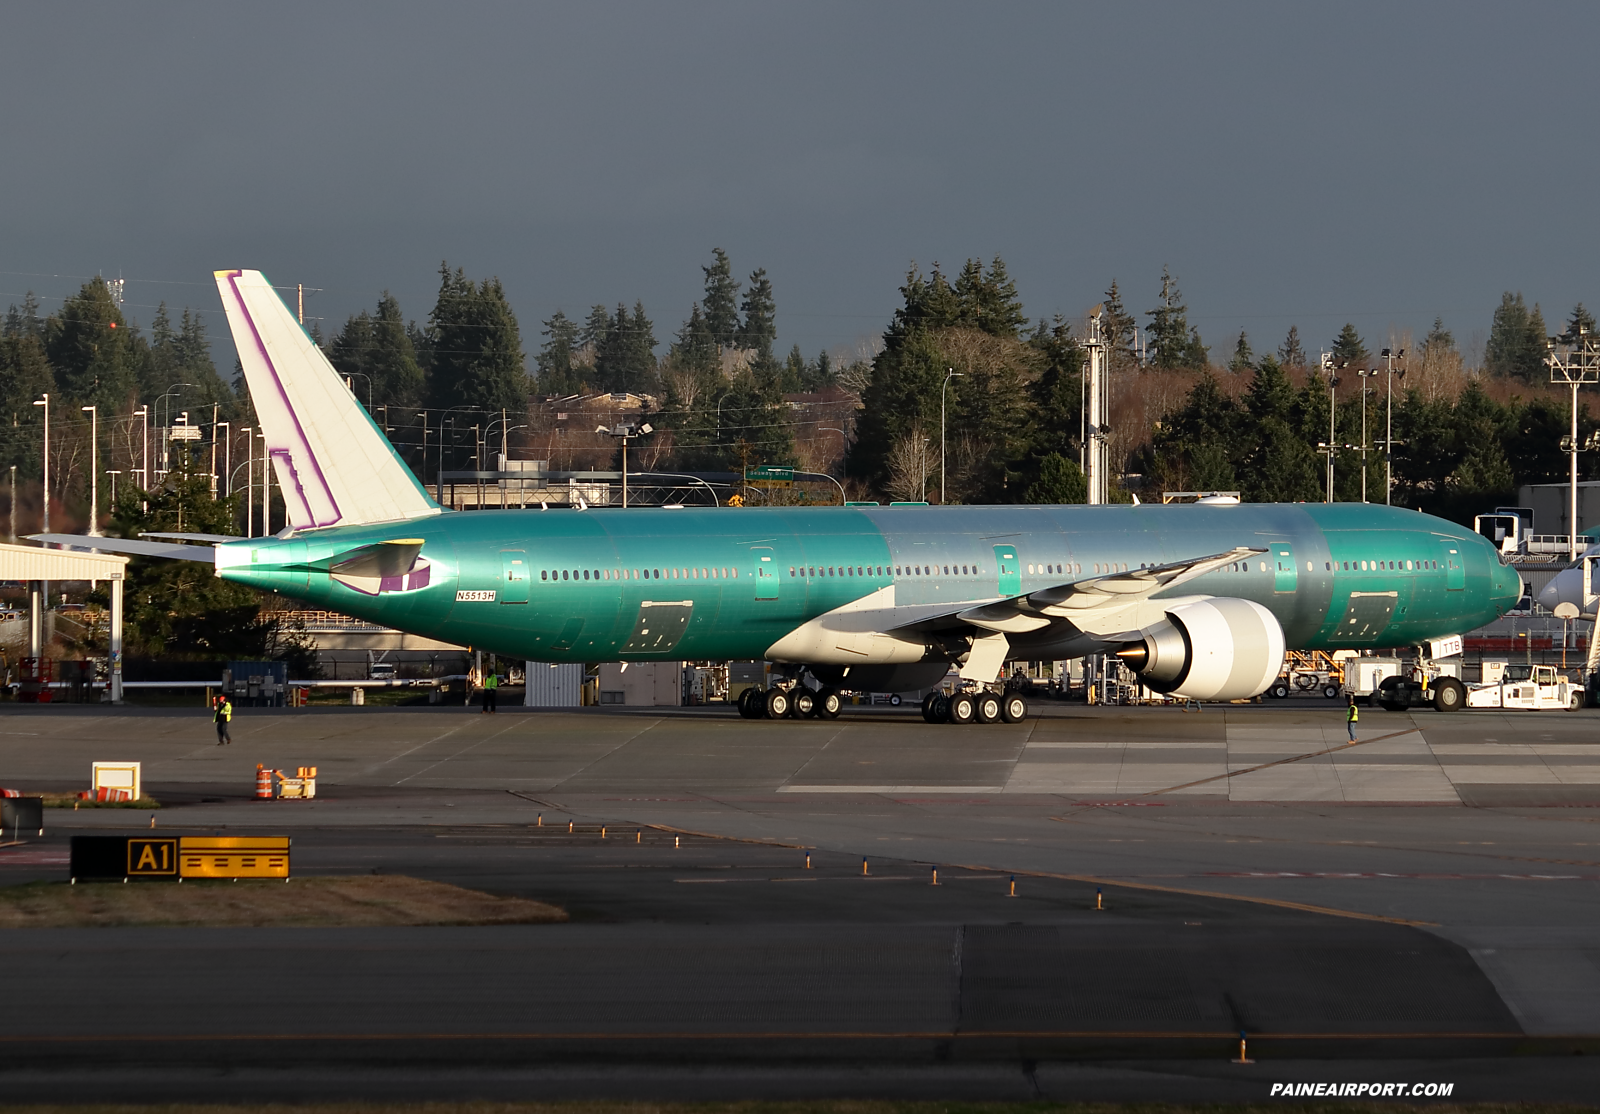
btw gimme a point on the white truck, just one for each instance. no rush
(1525, 688)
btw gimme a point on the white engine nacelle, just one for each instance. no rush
(1221, 648)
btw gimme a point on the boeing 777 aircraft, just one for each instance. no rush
(1201, 600)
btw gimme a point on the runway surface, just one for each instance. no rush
(1422, 901)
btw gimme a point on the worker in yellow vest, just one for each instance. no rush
(222, 715)
(491, 689)
(1350, 717)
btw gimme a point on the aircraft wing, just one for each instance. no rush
(1106, 608)
(192, 537)
(130, 546)
(1075, 599)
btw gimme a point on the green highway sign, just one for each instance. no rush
(770, 472)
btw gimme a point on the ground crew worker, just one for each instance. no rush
(1350, 717)
(222, 714)
(491, 685)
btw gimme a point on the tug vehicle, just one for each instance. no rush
(1525, 688)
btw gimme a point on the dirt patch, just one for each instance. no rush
(361, 900)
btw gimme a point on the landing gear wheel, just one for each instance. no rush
(1013, 709)
(805, 704)
(1449, 695)
(1279, 691)
(988, 707)
(1330, 691)
(828, 704)
(962, 708)
(778, 703)
(931, 712)
(747, 703)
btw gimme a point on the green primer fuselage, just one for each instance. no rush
(1343, 575)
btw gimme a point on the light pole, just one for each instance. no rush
(352, 388)
(1365, 373)
(949, 374)
(625, 433)
(249, 481)
(1573, 365)
(1388, 424)
(13, 504)
(266, 485)
(1331, 446)
(144, 472)
(94, 469)
(45, 402)
(113, 473)
(227, 454)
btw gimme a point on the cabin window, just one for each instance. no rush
(1408, 566)
(544, 575)
(563, 574)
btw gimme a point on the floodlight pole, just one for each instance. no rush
(1388, 434)
(1573, 364)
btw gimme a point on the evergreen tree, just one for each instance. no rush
(596, 327)
(721, 301)
(795, 372)
(557, 371)
(1290, 352)
(1516, 345)
(1276, 463)
(1120, 331)
(758, 329)
(24, 321)
(1349, 348)
(476, 347)
(1057, 394)
(377, 353)
(987, 301)
(1438, 340)
(1579, 325)
(1173, 344)
(92, 349)
(1059, 481)
(696, 347)
(820, 374)
(1243, 358)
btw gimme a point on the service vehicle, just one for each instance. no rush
(1537, 688)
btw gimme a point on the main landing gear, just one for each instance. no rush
(981, 706)
(790, 701)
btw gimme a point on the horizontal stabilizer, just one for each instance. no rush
(130, 546)
(191, 537)
(334, 466)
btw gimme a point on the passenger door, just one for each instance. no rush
(1285, 577)
(1008, 571)
(513, 576)
(766, 570)
(1455, 576)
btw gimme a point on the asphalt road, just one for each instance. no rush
(1389, 911)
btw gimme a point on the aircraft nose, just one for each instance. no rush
(1551, 596)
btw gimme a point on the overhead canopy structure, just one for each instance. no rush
(38, 567)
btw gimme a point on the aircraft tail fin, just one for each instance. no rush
(332, 463)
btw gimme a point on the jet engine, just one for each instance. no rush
(1220, 648)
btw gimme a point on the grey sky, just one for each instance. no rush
(1382, 163)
